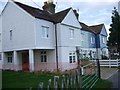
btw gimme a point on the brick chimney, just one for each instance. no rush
(49, 6)
(76, 13)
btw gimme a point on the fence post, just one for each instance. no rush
(49, 84)
(40, 86)
(56, 82)
(109, 63)
(82, 71)
(63, 82)
(117, 63)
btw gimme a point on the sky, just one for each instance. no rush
(91, 12)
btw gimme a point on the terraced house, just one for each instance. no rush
(35, 39)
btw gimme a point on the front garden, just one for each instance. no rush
(23, 80)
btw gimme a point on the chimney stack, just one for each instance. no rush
(76, 13)
(49, 6)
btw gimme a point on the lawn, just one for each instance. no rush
(11, 79)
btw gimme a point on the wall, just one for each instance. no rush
(22, 26)
(49, 65)
(67, 45)
(45, 43)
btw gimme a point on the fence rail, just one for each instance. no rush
(109, 63)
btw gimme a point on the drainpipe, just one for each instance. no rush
(56, 46)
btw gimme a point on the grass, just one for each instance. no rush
(11, 79)
(102, 84)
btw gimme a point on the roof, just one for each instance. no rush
(97, 28)
(86, 28)
(42, 14)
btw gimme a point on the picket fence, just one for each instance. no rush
(84, 77)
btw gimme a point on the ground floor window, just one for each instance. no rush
(43, 56)
(72, 57)
(10, 57)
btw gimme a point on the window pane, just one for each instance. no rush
(45, 32)
(45, 58)
(70, 59)
(73, 58)
(41, 58)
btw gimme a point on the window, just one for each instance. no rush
(103, 39)
(10, 34)
(45, 31)
(71, 33)
(10, 58)
(82, 37)
(92, 40)
(72, 58)
(43, 56)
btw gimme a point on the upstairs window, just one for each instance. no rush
(11, 34)
(72, 58)
(71, 33)
(43, 56)
(103, 40)
(10, 57)
(92, 40)
(45, 31)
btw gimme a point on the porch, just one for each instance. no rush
(29, 60)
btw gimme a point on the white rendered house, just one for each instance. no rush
(34, 39)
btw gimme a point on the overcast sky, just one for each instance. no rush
(91, 12)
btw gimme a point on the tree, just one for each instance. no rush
(114, 36)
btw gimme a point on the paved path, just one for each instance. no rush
(115, 79)
(113, 75)
(107, 72)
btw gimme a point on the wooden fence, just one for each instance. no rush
(84, 77)
(109, 63)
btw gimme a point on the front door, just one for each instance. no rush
(25, 61)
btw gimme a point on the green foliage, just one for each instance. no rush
(114, 36)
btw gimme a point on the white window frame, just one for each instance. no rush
(45, 32)
(72, 57)
(103, 40)
(9, 57)
(43, 56)
(71, 33)
(11, 34)
(92, 39)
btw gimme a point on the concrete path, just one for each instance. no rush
(107, 72)
(113, 75)
(115, 79)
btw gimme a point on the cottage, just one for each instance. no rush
(34, 39)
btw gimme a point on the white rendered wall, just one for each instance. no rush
(22, 26)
